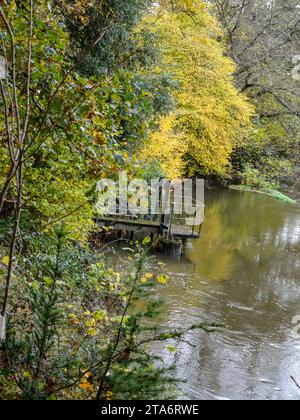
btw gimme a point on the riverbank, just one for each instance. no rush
(267, 191)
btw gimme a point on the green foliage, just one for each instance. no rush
(71, 324)
(264, 190)
(82, 128)
(115, 85)
(114, 21)
(269, 153)
(76, 329)
(264, 60)
(254, 178)
(153, 170)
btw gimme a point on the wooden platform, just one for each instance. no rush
(144, 226)
(183, 233)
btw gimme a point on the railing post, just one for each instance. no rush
(171, 219)
(163, 216)
(194, 222)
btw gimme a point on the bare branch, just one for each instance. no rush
(7, 125)
(14, 77)
(27, 113)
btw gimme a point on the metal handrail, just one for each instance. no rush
(168, 201)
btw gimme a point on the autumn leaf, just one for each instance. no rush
(5, 260)
(171, 349)
(146, 278)
(100, 315)
(108, 395)
(92, 332)
(90, 323)
(86, 386)
(162, 279)
(147, 241)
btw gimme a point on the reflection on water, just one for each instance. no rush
(245, 273)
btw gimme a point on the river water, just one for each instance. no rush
(243, 272)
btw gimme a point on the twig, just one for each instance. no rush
(295, 382)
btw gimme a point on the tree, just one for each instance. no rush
(64, 127)
(60, 131)
(112, 20)
(211, 116)
(263, 40)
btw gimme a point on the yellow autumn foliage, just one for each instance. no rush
(212, 117)
(168, 147)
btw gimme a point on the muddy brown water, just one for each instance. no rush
(244, 272)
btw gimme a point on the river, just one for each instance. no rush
(244, 272)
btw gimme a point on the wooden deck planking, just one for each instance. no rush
(135, 225)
